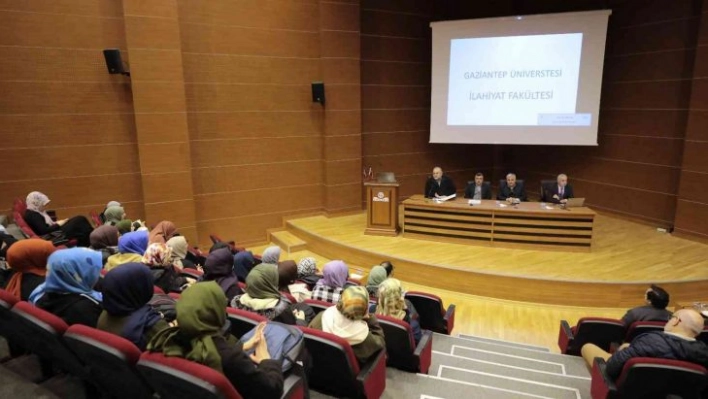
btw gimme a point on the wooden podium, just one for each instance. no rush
(381, 208)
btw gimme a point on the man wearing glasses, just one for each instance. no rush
(676, 342)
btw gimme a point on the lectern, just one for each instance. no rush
(381, 208)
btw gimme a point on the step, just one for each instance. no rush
(502, 342)
(287, 241)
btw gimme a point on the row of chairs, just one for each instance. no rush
(640, 377)
(605, 333)
(112, 365)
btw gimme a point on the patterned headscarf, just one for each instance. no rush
(391, 299)
(354, 302)
(36, 201)
(271, 255)
(334, 274)
(27, 256)
(306, 267)
(73, 270)
(162, 232)
(103, 237)
(157, 255)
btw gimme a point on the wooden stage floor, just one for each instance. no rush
(625, 258)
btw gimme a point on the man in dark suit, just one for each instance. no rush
(512, 190)
(559, 193)
(478, 190)
(439, 185)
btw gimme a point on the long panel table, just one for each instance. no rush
(526, 225)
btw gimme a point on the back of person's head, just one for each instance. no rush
(287, 274)
(388, 266)
(306, 267)
(354, 302)
(686, 322)
(658, 297)
(390, 299)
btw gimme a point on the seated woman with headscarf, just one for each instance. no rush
(334, 279)
(167, 278)
(162, 232)
(27, 260)
(180, 249)
(201, 315)
(376, 276)
(68, 289)
(351, 320)
(219, 267)
(271, 255)
(307, 272)
(76, 228)
(243, 263)
(113, 215)
(105, 239)
(287, 274)
(391, 302)
(131, 248)
(127, 289)
(262, 297)
(102, 215)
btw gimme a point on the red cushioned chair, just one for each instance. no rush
(191, 273)
(288, 296)
(432, 313)
(242, 321)
(19, 205)
(174, 296)
(644, 377)
(641, 327)
(111, 362)
(157, 290)
(317, 305)
(242, 286)
(41, 333)
(29, 233)
(177, 378)
(95, 219)
(594, 330)
(336, 371)
(8, 321)
(401, 349)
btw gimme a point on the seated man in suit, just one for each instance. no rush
(439, 185)
(478, 190)
(676, 342)
(512, 190)
(559, 193)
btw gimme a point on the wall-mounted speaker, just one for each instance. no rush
(318, 93)
(114, 62)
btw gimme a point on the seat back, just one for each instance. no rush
(191, 273)
(658, 378)
(19, 205)
(24, 227)
(641, 327)
(95, 219)
(41, 332)
(400, 343)
(111, 361)
(546, 185)
(596, 330)
(430, 311)
(7, 319)
(243, 321)
(335, 368)
(177, 378)
(317, 305)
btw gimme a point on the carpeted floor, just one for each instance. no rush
(462, 367)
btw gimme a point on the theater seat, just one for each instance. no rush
(433, 315)
(243, 321)
(641, 327)
(644, 377)
(95, 219)
(111, 362)
(191, 273)
(401, 350)
(336, 371)
(595, 330)
(157, 290)
(29, 233)
(41, 333)
(317, 305)
(547, 185)
(19, 205)
(8, 320)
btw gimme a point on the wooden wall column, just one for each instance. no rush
(153, 40)
(340, 58)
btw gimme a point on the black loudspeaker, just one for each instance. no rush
(114, 62)
(318, 94)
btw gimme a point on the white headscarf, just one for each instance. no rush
(36, 201)
(334, 322)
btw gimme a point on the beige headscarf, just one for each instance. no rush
(179, 247)
(391, 300)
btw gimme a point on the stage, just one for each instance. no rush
(626, 257)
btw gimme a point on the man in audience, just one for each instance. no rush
(676, 342)
(654, 310)
(511, 190)
(559, 193)
(478, 190)
(388, 266)
(439, 185)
